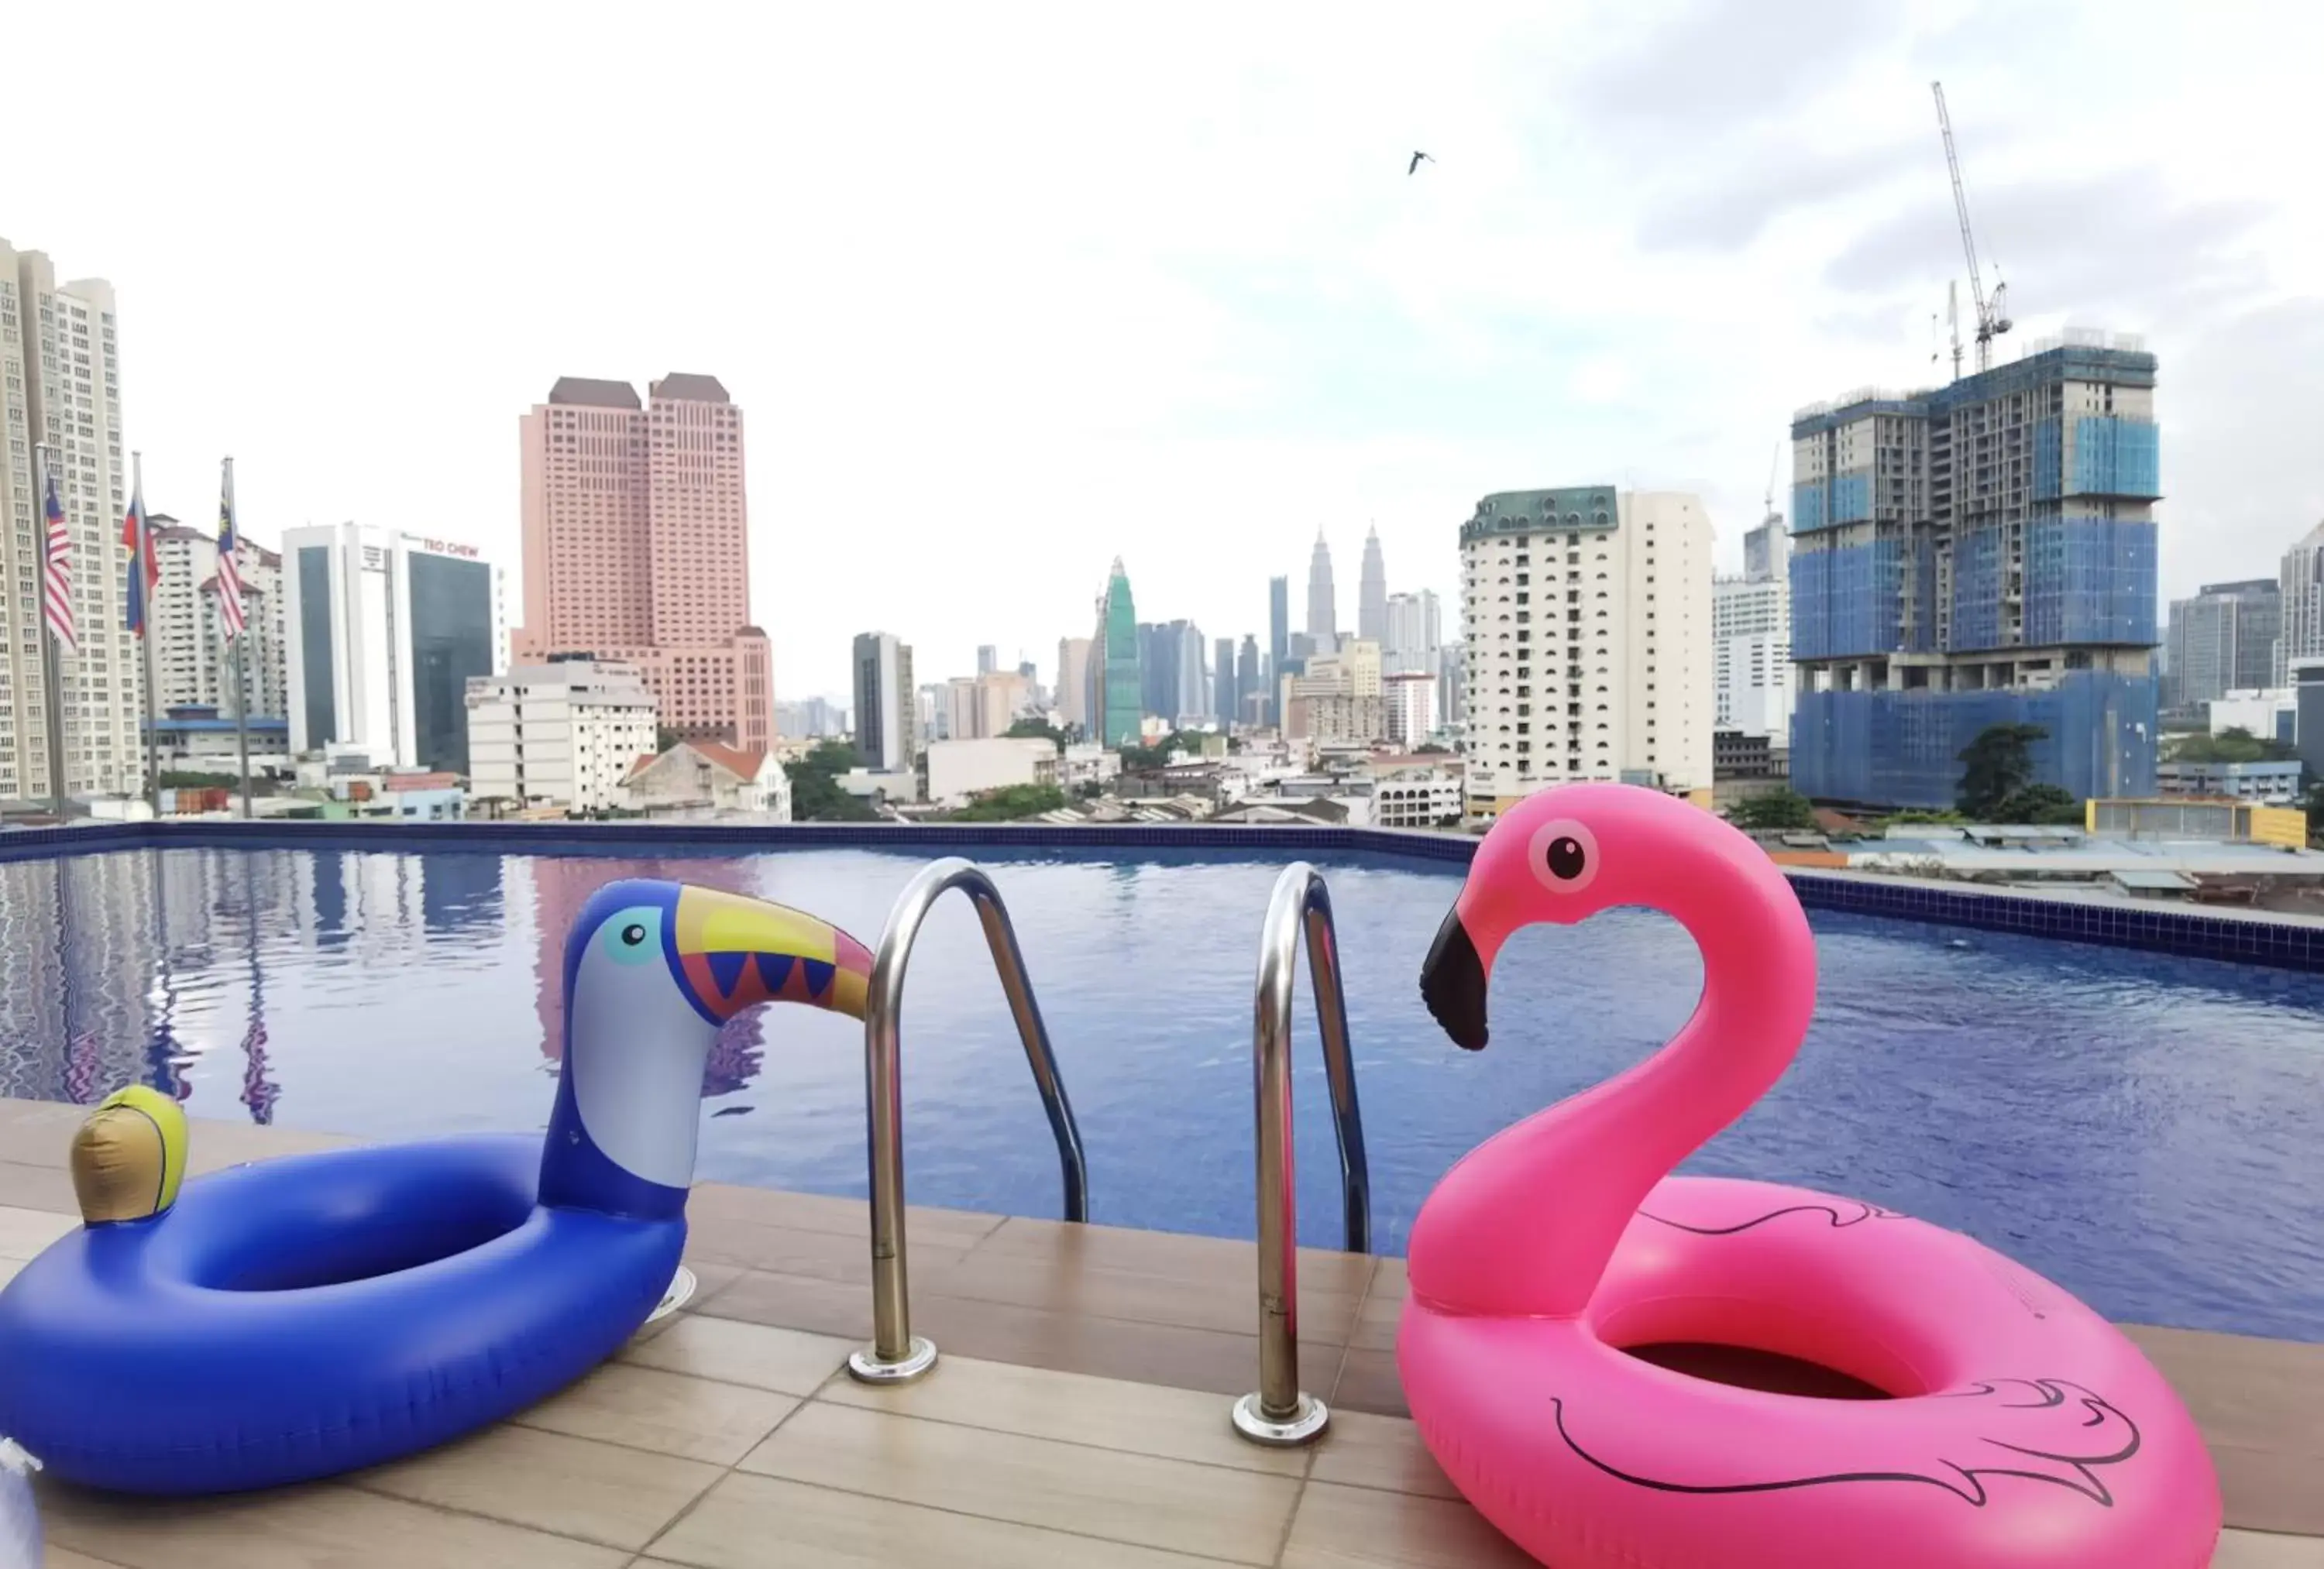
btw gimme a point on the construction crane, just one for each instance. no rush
(1992, 310)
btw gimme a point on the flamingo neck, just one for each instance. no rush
(1525, 1224)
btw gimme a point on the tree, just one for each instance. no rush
(665, 739)
(1010, 802)
(1994, 767)
(1429, 746)
(1029, 728)
(815, 793)
(2041, 804)
(1780, 810)
(2232, 745)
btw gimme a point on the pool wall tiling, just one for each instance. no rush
(2286, 944)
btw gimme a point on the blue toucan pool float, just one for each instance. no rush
(307, 1316)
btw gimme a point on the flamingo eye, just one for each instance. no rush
(1564, 856)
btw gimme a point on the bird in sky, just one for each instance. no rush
(1414, 166)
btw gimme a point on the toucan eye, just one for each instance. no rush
(634, 934)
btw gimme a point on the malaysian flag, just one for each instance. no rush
(229, 571)
(57, 556)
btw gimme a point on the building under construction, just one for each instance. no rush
(1977, 555)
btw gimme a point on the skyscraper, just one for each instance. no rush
(2300, 587)
(2222, 640)
(1116, 716)
(385, 628)
(1751, 638)
(1322, 601)
(1371, 593)
(1589, 648)
(1226, 694)
(1414, 633)
(1251, 706)
(1073, 683)
(60, 387)
(1278, 621)
(887, 708)
(988, 659)
(637, 547)
(1978, 555)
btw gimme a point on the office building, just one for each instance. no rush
(1413, 634)
(1587, 613)
(1251, 706)
(1174, 668)
(2299, 588)
(193, 664)
(1322, 599)
(1278, 623)
(2223, 639)
(988, 659)
(384, 631)
(637, 547)
(1453, 682)
(60, 387)
(1226, 692)
(888, 720)
(810, 719)
(1073, 683)
(1751, 638)
(1116, 694)
(1978, 555)
(566, 734)
(1371, 593)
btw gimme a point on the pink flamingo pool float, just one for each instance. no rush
(2022, 1430)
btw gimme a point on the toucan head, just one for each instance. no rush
(652, 969)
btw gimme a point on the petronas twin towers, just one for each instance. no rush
(1322, 598)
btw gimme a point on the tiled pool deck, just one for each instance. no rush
(1077, 1421)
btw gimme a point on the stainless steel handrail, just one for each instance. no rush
(1278, 1412)
(894, 1354)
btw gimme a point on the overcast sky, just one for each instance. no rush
(1006, 289)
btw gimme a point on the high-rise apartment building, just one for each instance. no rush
(983, 707)
(193, 665)
(2224, 640)
(385, 631)
(1073, 683)
(60, 388)
(1117, 714)
(888, 728)
(2300, 587)
(1589, 641)
(565, 733)
(988, 659)
(1371, 593)
(637, 547)
(1751, 638)
(1410, 697)
(1322, 599)
(1982, 554)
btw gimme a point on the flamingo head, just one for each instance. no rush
(1562, 856)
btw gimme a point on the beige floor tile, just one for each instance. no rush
(2262, 1550)
(666, 1413)
(733, 1352)
(823, 1255)
(748, 1522)
(1359, 1527)
(66, 1558)
(1369, 1381)
(298, 1529)
(25, 1233)
(550, 1483)
(1218, 1260)
(9, 1267)
(1362, 1450)
(1208, 1511)
(1069, 1280)
(795, 1302)
(844, 1216)
(45, 1187)
(1074, 1408)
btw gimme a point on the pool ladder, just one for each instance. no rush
(1279, 1412)
(896, 1355)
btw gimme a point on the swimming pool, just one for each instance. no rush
(2138, 1127)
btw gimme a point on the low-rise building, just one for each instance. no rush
(564, 733)
(1742, 755)
(705, 779)
(2259, 781)
(2271, 713)
(960, 769)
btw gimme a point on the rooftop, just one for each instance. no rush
(593, 393)
(1078, 1419)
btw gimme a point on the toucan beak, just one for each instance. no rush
(736, 951)
(1452, 983)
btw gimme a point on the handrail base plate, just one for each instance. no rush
(867, 1367)
(1306, 1424)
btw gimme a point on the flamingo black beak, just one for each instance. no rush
(1452, 983)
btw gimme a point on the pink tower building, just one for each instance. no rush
(637, 548)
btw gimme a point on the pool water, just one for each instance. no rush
(2141, 1129)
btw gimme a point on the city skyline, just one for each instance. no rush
(1370, 347)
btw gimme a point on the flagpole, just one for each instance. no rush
(241, 690)
(52, 671)
(145, 636)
